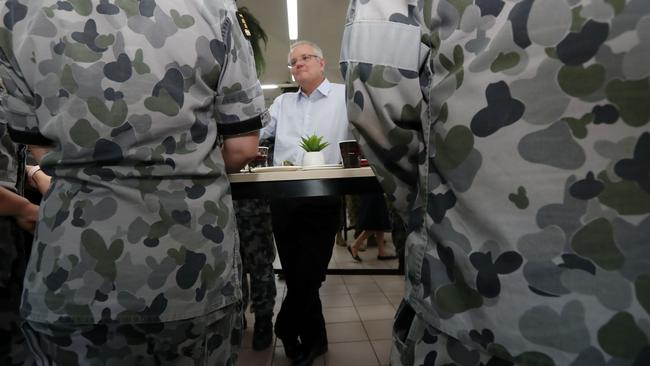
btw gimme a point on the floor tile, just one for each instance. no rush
(351, 264)
(373, 298)
(351, 354)
(395, 298)
(376, 312)
(379, 264)
(352, 279)
(357, 288)
(382, 351)
(250, 357)
(388, 278)
(346, 332)
(279, 358)
(334, 288)
(379, 329)
(391, 286)
(336, 300)
(334, 279)
(247, 339)
(340, 315)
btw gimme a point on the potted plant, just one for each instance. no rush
(313, 146)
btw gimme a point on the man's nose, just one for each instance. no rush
(301, 62)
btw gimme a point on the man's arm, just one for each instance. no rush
(239, 150)
(17, 99)
(268, 132)
(384, 98)
(18, 207)
(37, 178)
(240, 108)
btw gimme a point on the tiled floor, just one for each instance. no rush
(358, 312)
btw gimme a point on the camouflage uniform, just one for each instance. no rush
(14, 251)
(138, 227)
(258, 253)
(514, 139)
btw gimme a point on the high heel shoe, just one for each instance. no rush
(355, 257)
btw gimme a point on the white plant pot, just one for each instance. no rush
(312, 158)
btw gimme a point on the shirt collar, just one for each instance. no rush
(324, 89)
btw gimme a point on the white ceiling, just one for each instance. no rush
(319, 21)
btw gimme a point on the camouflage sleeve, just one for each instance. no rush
(17, 99)
(240, 102)
(383, 93)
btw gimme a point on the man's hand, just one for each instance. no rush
(239, 150)
(27, 216)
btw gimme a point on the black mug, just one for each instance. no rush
(350, 153)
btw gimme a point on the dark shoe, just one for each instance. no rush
(355, 257)
(293, 350)
(386, 257)
(310, 356)
(262, 333)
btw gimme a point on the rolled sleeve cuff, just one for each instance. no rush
(241, 111)
(28, 137)
(240, 127)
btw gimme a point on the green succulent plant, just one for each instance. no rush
(313, 143)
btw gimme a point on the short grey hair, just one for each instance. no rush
(317, 50)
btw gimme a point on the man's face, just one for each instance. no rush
(307, 68)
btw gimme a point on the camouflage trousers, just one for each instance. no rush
(14, 251)
(258, 253)
(417, 343)
(209, 340)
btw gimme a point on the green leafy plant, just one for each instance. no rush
(313, 143)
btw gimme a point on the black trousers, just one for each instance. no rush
(304, 231)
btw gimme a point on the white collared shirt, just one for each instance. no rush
(294, 115)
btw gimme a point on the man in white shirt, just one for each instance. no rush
(304, 228)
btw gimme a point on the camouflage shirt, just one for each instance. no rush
(132, 95)
(8, 164)
(514, 137)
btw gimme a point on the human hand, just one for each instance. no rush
(30, 170)
(38, 152)
(27, 217)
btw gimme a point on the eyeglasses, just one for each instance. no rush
(303, 58)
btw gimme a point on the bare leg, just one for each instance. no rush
(381, 244)
(381, 247)
(358, 241)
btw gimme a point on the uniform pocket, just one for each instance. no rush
(402, 350)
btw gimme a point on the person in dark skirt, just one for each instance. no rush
(373, 220)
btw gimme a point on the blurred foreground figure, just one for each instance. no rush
(135, 256)
(513, 137)
(17, 221)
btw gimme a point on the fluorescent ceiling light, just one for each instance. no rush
(292, 16)
(270, 86)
